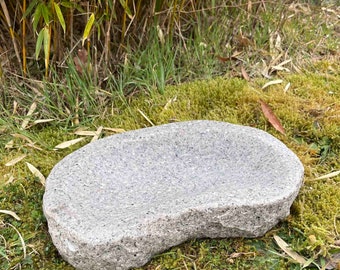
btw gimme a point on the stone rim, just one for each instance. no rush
(104, 232)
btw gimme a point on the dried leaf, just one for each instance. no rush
(271, 83)
(15, 108)
(36, 173)
(329, 175)
(97, 134)
(39, 121)
(286, 87)
(10, 179)
(75, 120)
(275, 43)
(116, 130)
(223, 59)
(234, 56)
(239, 254)
(80, 61)
(23, 137)
(245, 74)
(146, 118)
(160, 35)
(265, 70)
(242, 41)
(11, 213)
(32, 145)
(15, 160)
(9, 145)
(170, 101)
(278, 42)
(85, 133)
(3, 130)
(273, 120)
(281, 67)
(67, 144)
(82, 54)
(291, 253)
(333, 262)
(30, 112)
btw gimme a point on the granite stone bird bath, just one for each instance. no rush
(116, 202)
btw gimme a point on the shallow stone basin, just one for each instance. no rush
(115, 203)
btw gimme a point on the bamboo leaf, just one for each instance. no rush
(30, 8)
(37, 16)
(67, 4)
(85, 133)
(271, 117)
(116, 130)
(329, 175)
(160, 35)
(9, 145)
(22, 137)
(47, 45)
(39, 43)
(290, 252)
(88, 27)
(60, 16)
(126, 8)
(28, 116)
(11, 213)
(36, 173)
(10, 180)
(245, 74)
(46, 40)
(39, 121)
(45, 13)
(15, 161)
(98, 133)
(68, 143)
(272, 83)
(286, 87)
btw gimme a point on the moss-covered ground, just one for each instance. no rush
(310, 113)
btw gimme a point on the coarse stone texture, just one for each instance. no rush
(116, 202)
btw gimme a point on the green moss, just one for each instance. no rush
(309, 111)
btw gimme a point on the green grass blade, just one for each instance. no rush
(158, 5)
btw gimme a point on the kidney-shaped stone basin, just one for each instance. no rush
(116, 202)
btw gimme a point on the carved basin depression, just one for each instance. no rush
(116, 202)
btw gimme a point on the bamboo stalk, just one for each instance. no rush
(8, 20)
(24, 60)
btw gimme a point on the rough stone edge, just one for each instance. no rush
(128, 246)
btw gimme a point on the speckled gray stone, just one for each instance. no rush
(115, 203)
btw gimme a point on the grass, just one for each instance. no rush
(195, 76)
(220, 41)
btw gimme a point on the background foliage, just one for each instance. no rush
(104, 27)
